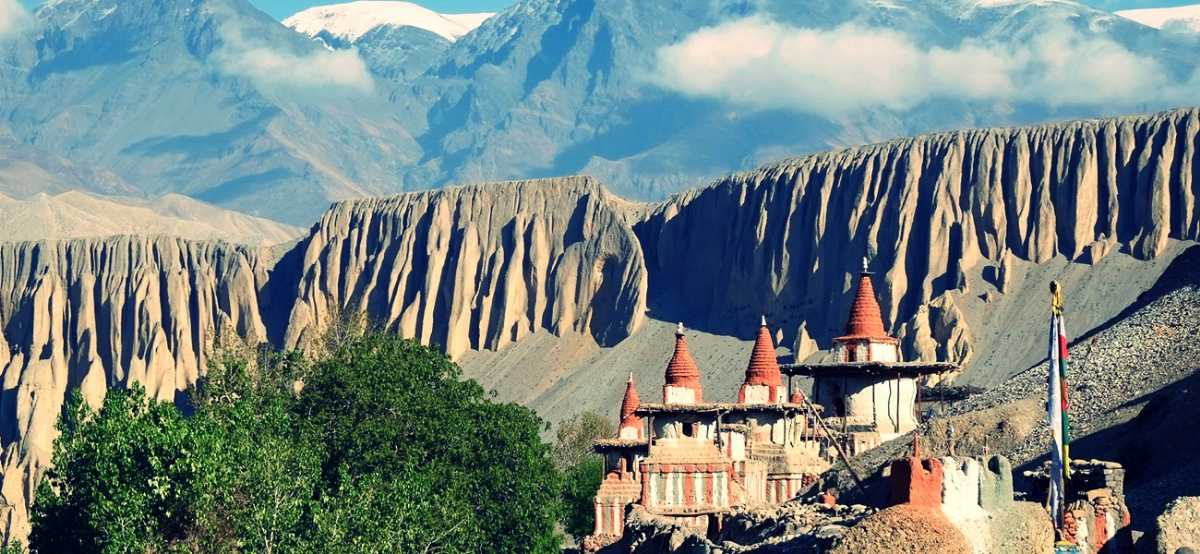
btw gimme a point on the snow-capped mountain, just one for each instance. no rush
(216, 100)
(209, 98)
(1181, 18)
(350, 21)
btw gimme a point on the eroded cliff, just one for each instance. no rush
(94, 314)
(930, 213)
(471, 268)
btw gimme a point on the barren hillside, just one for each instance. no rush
(75, 214)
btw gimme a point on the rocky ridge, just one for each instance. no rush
(474, 267)
(962, 225)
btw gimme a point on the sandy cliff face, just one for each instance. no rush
(929, 212)
(472, 268)
(94, 314)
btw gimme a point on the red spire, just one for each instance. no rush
(682, 370)
(764, 367)
(866, 320)
(629, 406)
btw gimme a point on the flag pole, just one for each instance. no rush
(1057, 407)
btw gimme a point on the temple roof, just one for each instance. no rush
(763, 368)
(629, 404)
(866, 319)
(682, 370)
(861, 368)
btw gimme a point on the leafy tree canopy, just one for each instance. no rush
(379, 446)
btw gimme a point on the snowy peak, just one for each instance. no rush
(1181, 18)
(352, 20)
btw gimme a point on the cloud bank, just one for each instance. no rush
(761, 64)
(317, 72)
(13, 17)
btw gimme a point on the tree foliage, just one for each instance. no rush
(579, 492)
(574, 438)
(379, 446)
(582, 467)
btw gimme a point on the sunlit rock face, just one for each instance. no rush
(94, 314)
(931, 214)
(472, 268)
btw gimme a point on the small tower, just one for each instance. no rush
(865, 339)
(764, 383)
(631, 425)
(868, 392)
(683, 376)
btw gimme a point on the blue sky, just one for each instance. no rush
(283, 8)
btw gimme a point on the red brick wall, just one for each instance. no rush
(916, 481)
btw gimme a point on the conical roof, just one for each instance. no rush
(866, 320)
(763, 368)
(630, 404)
(682, 370)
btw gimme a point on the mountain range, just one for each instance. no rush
(215, 100)
(76, 214)
(911, 133)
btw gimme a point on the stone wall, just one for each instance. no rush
(1096, 518)
(1179, 526)
(917, 481)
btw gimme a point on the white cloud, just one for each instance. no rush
(761, 64)
(317, 72)
(13, 17)
(319, 69)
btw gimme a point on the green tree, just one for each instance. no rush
(380, 446)
(265, 474)
(124, 478)
(582, 467)
(388, 406)
(579, 492)
(399, 513)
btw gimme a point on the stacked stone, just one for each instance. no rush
(1179, 526)
(1089, 475)
(1096, 517)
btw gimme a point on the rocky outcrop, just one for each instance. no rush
(925, 211)
(804, 346)
(1179, 526)
(473, 267)
(90, 315)
(793, 527)
(937, 332)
